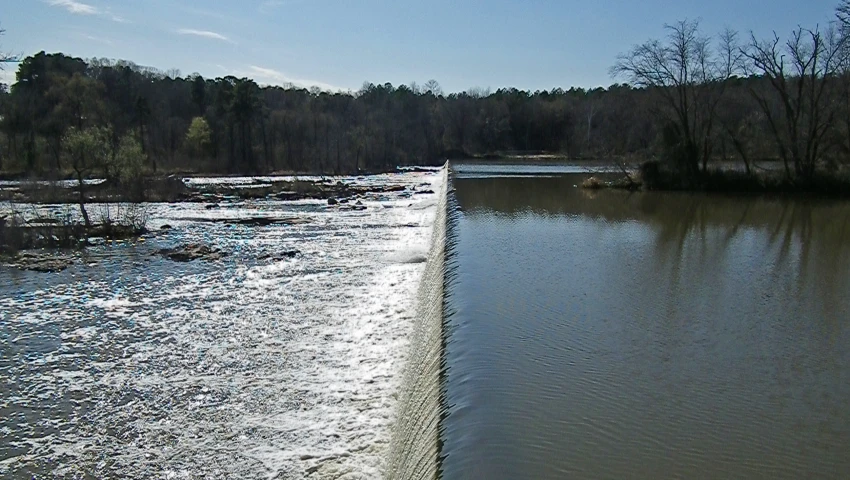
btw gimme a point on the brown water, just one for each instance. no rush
(645, 335)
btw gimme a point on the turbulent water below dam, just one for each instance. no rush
(129, 365)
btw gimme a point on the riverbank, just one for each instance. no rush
(653, 176)
(832, 184)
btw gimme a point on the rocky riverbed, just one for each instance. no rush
(272, 352)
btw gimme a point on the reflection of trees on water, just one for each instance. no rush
(803, 244)
(734, 304)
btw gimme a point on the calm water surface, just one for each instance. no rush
(646, 335)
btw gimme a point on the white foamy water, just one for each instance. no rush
(128, 365)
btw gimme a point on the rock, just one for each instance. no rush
(251, 221)
(358, 203)
(423, 192)
(266, 221)
(166, 227)
(332, 201)
(212, 206)
(280, 256)
(288, 196)
(592, 183)
(40, 263)
(187, 253)
(256, 221)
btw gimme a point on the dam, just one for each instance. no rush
(486, 321)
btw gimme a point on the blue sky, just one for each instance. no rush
(536, 44)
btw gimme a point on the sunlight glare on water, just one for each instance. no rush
(128, 365)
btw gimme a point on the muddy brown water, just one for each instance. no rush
(607, 334)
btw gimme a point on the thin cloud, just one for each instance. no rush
(86, 36)
(78, 8)
(204, 34)
(273, 77)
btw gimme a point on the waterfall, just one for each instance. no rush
(415, 450)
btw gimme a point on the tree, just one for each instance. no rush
(199, 94)
(799, 107)
(6, 57)
(689, 76)
(89, 150)
(77, 104)
(842, 15)
(198, 138)
(142, 119)
(244, 107)
(129, 165)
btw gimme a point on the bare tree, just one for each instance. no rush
(842, 15)
(433, 87)
(735, 125)
(799, 108)
(7, 57)
(689, 75)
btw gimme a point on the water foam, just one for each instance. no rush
(415, 449)
(137, 367)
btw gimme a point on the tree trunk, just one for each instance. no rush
(82, 199)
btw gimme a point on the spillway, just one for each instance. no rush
(415, 449)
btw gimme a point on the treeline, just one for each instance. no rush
(690, 100)
(233, 125)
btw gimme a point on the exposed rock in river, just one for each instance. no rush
(40, 262)
(193, 251)
(251, 221)
(278, 256)
(174, 189)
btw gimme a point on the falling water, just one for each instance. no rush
(415, 449)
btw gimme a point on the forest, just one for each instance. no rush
(690, 102)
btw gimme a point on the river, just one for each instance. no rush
(129, 365)
(608, 334)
